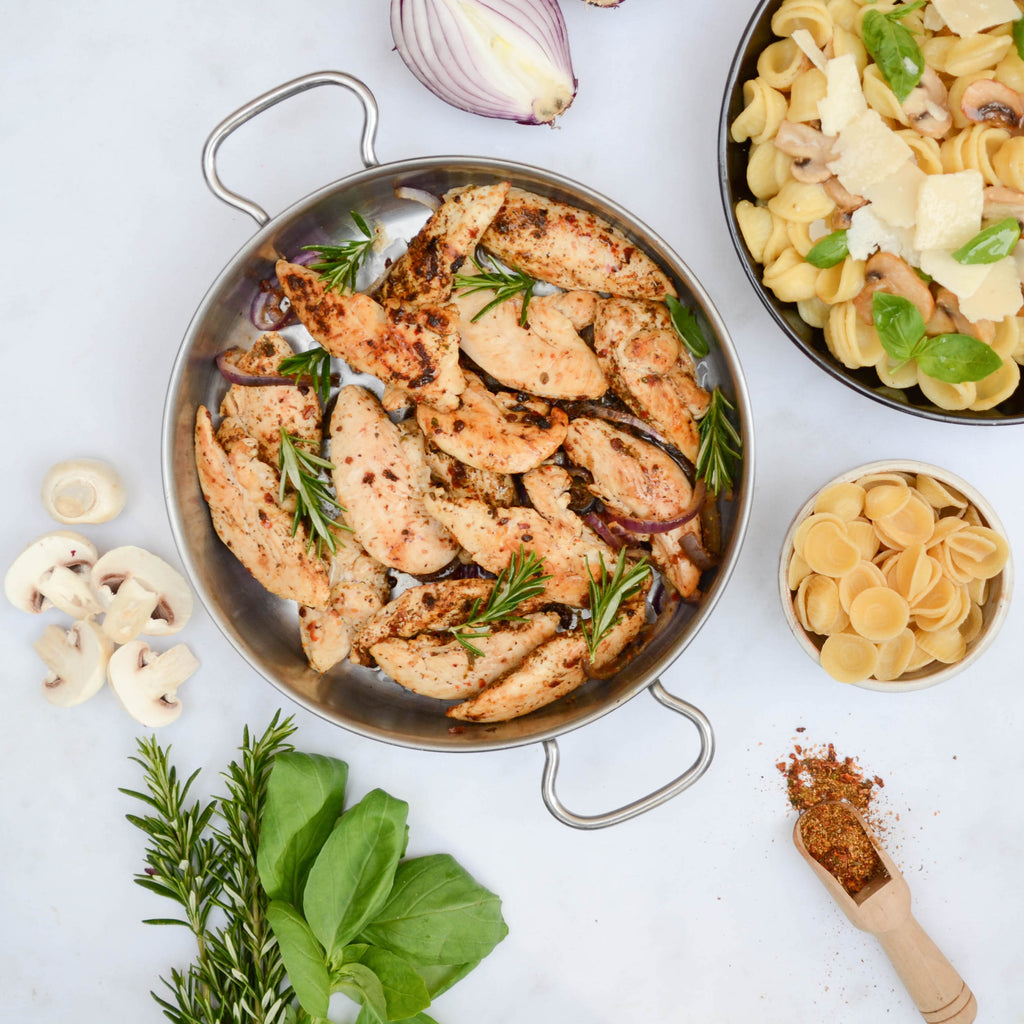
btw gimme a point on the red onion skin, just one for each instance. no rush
(254, 380)
(668, 525)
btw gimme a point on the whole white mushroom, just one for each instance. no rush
(83, 491)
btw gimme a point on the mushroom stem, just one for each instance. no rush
(77, 659)
(130, 610)
(70, 592)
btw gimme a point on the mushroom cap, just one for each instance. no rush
(83, 491)
(146, 683)
(174, 596)
(77, 659)
(29, 583)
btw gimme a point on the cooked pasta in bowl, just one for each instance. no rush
(871, 162)
(895, 575)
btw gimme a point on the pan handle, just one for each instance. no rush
(269, 99)
(644, 803)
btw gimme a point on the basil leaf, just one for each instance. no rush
(440, 977)
(991, 244)
(361, 985)
(899, 324)
(303, 957)
(437, 914)
(956, 358)
(828, 251)
(405, 991)
(353, 873)
(893, 48)
(1018, 37)
(686, 326)
(305, 795)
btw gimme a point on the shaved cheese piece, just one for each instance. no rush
(949, 210)
(868, 151)
(867, 232)
(844, 100)
(806, 42)
(1018, 255)
(932, 19)
(963, 280)
(999, 295)
(894, 199)
(819, 228)
(966, 17)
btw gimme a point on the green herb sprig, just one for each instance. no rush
(300, 470)
(339, 265)
(522, 579)
(829, 251)
(506, 284)
(608, 592)
(991, 244)
(720, 445)
(951, 358)
(1018, 37)
(686, 326)
(893, 48)
(315, 363)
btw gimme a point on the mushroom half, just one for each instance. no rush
(83, 491)
(146, 683)
(77, 659)
(53, 572)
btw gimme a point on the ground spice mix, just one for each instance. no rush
(833, 836)
(815, 776)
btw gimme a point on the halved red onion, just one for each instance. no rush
(498, 58)
(664, 525)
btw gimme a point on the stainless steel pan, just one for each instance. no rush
(263, 629)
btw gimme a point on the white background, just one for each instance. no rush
(701, 911)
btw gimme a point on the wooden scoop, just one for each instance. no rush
(882, 908)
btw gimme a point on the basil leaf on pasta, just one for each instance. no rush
(899, 324)
(990, 245)
(893, 48)
(686, 326)
(828, 251)
(956, 358)
(1018, 37)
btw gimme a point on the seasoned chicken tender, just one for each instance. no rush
(242, 492)
(379, 483)
(638, 480)
(436, 665)
(500, 432)
(263, 411)
(425, 271)
(411, 348)
(650, 370)
(571, 248)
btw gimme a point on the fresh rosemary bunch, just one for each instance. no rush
(339, 265)
(505, 284)
(522, 579)
(315, 364)
(607, 595)
(202, 856)
(301, 470)
(720, 445)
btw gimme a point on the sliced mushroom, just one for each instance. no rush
(53, 572)
(141, 594)
(77, 659)
(927, 106)
(83, 491)
(947, 319)
(810, 149)
(992, 102)
(1001, 203)
(847, 203)
(146, 683)
(888, 273)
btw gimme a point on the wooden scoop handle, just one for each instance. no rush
(940, 993)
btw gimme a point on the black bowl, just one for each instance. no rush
(732, 176)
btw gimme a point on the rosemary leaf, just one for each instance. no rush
(607, 595)
(505, 284)
(720, 445)
(339, 265)
(314, 364)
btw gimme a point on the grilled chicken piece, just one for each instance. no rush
(380, 483)
(500, 432)
(548, 358)
(439, 666)
(359, 587)
(263, 411)
(571, 248)
(411, 348)
(557, 667)
(637, 479)
(650, 370)
(424, 273)
(579, 307)
(242, 491)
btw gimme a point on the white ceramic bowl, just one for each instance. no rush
(994, 610)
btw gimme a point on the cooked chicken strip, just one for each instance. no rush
(242, 494)
(500, 432)
(571, 248)
(380, 485)
(555, 668)
(650, 370)
(424, 273)
(414, 348)
(548, 358)
(439, 666)
(637, 479)
(579, 307)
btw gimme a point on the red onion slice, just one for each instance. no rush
(417, 195)
(666, 525)
(271, 310)
(697, 553)
(233, 375)
(598, 525)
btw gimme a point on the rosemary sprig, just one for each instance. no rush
(505, 284)
(339, 265)
(202, 856)
(607, 595)
(315, 364)
(301, 470)
(522, 579)
(720, 444)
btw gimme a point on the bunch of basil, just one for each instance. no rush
(350, 914)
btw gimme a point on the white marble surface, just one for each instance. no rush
(699, 911)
